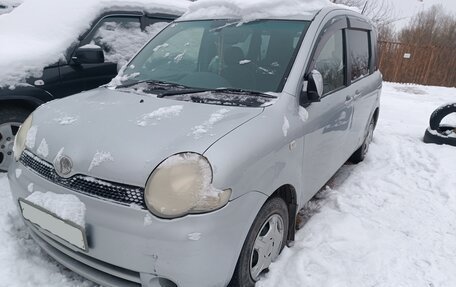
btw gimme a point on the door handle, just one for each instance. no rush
(349, 99)
(357, 93)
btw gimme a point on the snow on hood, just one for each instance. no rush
(37, 33)
(122, 136)
(253, 9)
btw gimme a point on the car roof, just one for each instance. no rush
(308, 15)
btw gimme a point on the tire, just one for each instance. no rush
(360, 154)
(274, 212)
(10, 120)
(438, 136)
(438, 133)
(438, 115)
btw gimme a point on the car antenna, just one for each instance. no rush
(364, 8)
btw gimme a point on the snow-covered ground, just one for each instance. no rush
(389, 221)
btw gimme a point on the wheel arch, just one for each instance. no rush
(376, 115)
(287, 192)
(27, 96)
(28, 103)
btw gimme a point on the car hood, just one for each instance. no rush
(122, 136)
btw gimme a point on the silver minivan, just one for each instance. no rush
(189, 169)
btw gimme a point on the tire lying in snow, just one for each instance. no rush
(438, 133)
(439, 114)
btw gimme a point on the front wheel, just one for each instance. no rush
(263, 244)
(10, 121)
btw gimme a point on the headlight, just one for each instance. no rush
(181, 185)
(21, 137)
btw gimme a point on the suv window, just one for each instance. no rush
(330, 63)
(121, 37)
(359, 53)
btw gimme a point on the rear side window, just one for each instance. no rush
(359, 53)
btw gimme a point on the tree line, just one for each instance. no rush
(431, 27)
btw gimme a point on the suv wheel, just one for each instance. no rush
(265, 241)
(10, 121)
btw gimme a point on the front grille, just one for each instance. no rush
(116, 192)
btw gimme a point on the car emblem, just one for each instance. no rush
(63, 165)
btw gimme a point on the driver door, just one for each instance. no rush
(330, 120)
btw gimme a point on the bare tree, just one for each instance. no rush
(431, 27)
(379, 11)
(387, 33)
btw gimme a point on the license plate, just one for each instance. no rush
(64, 229)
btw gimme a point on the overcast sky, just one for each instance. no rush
(408, 8)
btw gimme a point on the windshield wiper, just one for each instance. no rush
(181, 92)
(164, 89)
(242, 92)
(179, 89)
(160, 84)
(216, 91)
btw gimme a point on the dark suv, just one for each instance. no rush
(90, 62)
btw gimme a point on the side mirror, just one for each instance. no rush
(312, 88)
(88, 54)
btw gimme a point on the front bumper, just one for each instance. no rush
(131, 247)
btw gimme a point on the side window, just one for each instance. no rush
(330, 63)
(121, 37)
(359, 53)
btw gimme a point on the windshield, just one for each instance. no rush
(213, 54)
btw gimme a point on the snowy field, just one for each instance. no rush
(390, 221)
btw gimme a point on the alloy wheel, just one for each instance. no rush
(7, 133)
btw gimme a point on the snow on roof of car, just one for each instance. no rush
(254, 9)
(37, 33)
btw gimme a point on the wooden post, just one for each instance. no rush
(428, 70)
(399, 53)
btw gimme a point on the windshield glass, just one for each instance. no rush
(213, 54)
